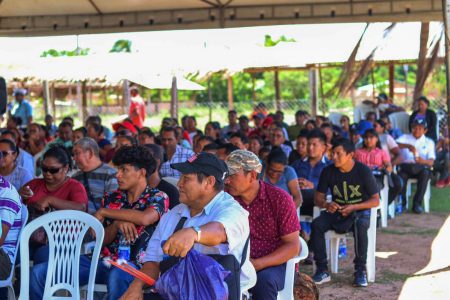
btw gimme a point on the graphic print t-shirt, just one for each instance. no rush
(353, 187)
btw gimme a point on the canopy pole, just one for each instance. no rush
(391, 79)
(84, 112)
(277, 91)
(322, 97)
(253, 89)
(174, 99)
(210, 98)
(53, 99)
(46, 94)
(126, 95)
(230, 92)
(313, 90)
(446, 9)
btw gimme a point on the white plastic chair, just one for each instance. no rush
(426, 197)
(334, 239)
(335, 118)
(8, 282)
(400, 120)
(172, 180)
(384, 202)
(65, 230)
(288, 292)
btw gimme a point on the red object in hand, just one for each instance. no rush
(132, 271)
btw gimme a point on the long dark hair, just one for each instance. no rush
(374, 133)
(61, 154)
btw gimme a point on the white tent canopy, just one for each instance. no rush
(51, 17)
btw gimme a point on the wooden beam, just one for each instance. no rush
(391, 79)
(253, 89)
(277, 91)
(230, 93)
(446, 10)
(322, 97)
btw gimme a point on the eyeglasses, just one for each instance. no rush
(50, 170)
(5, 153)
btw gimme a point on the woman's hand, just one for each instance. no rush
(25, 192)
(43, 203)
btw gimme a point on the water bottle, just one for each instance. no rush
(399, 207)
(124, 250)
(342, 249)
(306, 226)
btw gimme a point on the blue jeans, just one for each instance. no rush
(269, 282)
(117, 281)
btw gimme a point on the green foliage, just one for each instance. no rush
(121, 46)
(55, 53)
(269, 42)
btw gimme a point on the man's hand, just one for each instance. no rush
(305, 184)
(256, 264)
(128, 229)
(412, 149)
(347, 210)
(133, 293)
(180, 242)
(332, 207)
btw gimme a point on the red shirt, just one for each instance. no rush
(71, 190)
(271, 215)
(137, 111)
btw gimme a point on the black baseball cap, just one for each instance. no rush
(205, 163)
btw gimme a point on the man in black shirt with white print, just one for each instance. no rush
(354, 192)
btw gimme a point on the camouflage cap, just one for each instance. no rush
(243, 159)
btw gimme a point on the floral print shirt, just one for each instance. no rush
(150, 198)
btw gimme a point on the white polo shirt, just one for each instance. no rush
(424, 146)
(223, 209)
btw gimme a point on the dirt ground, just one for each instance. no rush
(403, 249)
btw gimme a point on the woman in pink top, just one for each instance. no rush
(372, 155)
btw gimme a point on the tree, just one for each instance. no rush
(121, 46)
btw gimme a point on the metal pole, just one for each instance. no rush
(174, 100)
(277, 91)
(446, 11)
(210, 98)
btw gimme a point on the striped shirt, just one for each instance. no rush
(11, 215)
(181, 155)
(376, 158)
(18, 177)
(98, 182)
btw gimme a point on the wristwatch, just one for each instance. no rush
(199, 232)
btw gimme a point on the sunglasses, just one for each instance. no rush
(50, 170)
(5, 153)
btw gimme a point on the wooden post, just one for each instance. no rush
(446, 9)
(46, 96)
(391, 79)
(174, 99)
(52, 99)
(230, 92)
(277, 91)
(372, 78)
(210, 98)
(253, 89)
(322, 94)
(79, 97)
(84, 101)
(126, 96)
(313, 90)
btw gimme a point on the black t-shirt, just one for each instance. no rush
(353, 187)
(171, 191)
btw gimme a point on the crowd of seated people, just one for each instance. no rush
(264, 173)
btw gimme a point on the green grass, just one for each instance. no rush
(388, 276)
(414, 231)
(440, 200)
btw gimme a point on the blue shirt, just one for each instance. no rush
(282, 183)
(19, 177)
(23, 110)
(304, 169)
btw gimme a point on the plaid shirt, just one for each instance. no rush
(181, 155)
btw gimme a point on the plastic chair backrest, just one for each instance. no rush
(288, 291)
(8, 281)
(65, 231)
(400, 120)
